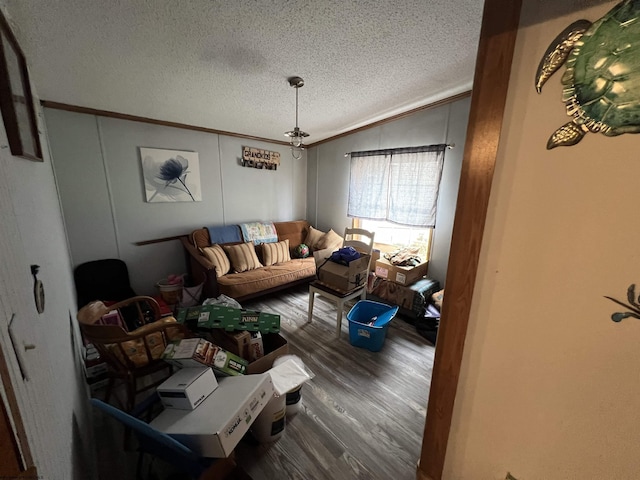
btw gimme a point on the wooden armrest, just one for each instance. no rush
(116, 334)
(195, 254)
(92, 312)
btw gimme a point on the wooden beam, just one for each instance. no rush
(493, 69)
(153, 121)
(135, 118)
(393, 118)
(158, 240)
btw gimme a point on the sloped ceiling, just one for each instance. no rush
(224, 64)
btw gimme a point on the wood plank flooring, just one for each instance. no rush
(362, 415)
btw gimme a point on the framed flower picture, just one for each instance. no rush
(16, 100)
(170, 175)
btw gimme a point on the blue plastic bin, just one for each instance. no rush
(364, 331)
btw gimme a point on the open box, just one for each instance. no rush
(397, 274)
(274, 346)
(345, 278)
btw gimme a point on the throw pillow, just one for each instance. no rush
(215, 254)
(273, 253)
(313, 237)
(330, 240)
(243, 257)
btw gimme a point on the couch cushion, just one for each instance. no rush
(216, 255)
(273, 253)
(243, 257)
(313, 237)
(295, 231)
(238, 285)
(330, 240)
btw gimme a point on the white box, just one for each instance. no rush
(187, 388)
(217, 425)
(95, 370)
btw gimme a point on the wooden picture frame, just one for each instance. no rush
(16, 100)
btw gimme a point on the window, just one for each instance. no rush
(391, 236)
(394, 193)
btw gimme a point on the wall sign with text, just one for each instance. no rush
(256, 158)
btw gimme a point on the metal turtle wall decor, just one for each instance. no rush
(633, 307)
(602, 78)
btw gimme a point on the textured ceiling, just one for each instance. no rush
(224, 64)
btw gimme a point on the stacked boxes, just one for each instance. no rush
(236, 332)
(196, 352)
(96, 370)
(235, 342)
(397, 274)
(205, 317)
(217, 425)
(187, 388)
(345, 278)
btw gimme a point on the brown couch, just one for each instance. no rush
(255, 282)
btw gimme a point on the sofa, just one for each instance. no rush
(249, 260)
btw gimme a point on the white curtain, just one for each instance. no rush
(399, 186)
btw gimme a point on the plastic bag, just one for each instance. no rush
(222, 300)
(289, 374)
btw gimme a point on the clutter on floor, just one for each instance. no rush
(428, 325)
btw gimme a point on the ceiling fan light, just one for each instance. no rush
(296, 135)
(296, 152)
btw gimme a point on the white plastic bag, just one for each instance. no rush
(289, 374)
(222, 300)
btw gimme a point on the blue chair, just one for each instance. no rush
(156, 443)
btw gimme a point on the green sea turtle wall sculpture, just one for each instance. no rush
(602, 80)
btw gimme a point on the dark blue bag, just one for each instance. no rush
(344, 255)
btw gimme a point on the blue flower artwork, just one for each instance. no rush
(170, 175)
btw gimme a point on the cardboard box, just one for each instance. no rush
(236, 342)
(217, 425)
(196, 352)
(345, 278)
(98, 384)
(401, 275)
(256, 347)
(187, 388)
(375, 255)
(274, 346)
(207, 317)
(93, 371)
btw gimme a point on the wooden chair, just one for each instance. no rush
(361, 240)
(131, 355)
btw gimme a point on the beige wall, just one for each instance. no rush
(549, 387)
